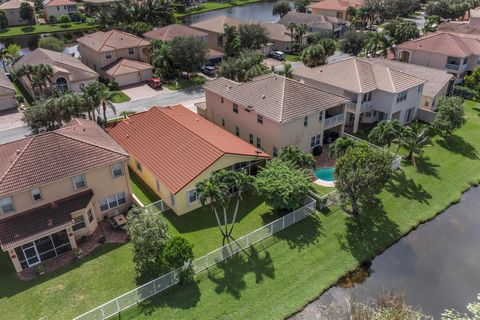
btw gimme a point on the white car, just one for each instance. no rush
(279, 55)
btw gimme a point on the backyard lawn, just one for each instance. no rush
(211, 6)
(284, 272)
(45, 28)
(141, 190)
(182, 83)
(120, 97)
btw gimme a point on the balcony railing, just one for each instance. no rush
(333, 121)
(366, 105)
(452, 66)
(351, 106)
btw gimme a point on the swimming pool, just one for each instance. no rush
(325, 174)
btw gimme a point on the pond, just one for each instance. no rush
(261, 11)
(435, 266)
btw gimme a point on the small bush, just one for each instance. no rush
(464, 92)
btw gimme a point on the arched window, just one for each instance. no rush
(62, 84)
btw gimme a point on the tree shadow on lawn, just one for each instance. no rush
(368, 233)
(231, 277)
(303, 233)
(426, 167)
(400, 186)
(458, 145)
(27, 29)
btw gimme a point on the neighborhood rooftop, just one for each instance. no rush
(176, 144)
(169, 32)
(337, 4)
(40, 159)
(311, 20)
(360, 76)
(125, 66)
(14, 4)
(111, 40)
(54, 3)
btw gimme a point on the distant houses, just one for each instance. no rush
(334, 8)
(12, 12)
(316, 23)
(53, 9)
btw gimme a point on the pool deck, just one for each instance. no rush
(324, 161)
(323, 183)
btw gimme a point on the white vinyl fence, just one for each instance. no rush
(129, 299)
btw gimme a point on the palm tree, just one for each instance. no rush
(377, 41)
(242, 183)
(25, 70)
(314, 55)
(296, 157)
(105, 98)
(287, 70)
(90, 94)
(385, 132)
(417, 137)
(44, 72)
(300, 31)
(292, 26)
(351, 13)
(157, 12)
(340, 147)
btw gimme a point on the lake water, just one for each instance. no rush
(261, 11)
(436, 266)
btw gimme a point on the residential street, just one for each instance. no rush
(18, 131)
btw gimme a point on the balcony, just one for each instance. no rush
(366, 105)
(450, 66)
(335, 120)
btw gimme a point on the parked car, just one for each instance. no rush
(279, 55)
(155, 83)
(208, 71)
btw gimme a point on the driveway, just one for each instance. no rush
(142, 91)
(11, 118)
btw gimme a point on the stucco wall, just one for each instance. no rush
(8, 101)
(57, 11)
(13, 17)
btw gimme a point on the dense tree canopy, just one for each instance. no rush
(402, 31)
(252, 36)
(352, 43)
(244, 67)
(188, 53)
(281, 8)
(51, 43)
(450, 116)
(314, 55)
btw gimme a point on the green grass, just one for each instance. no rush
(44, 28)
(285, 272)
(292, 57)
(321, 190)
(211, 6)
(181, 83)
(120, 97)
(141, 190)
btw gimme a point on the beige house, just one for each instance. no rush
(118, 56)
(334, 8)
(454, 52)
(279, 35)
(439, 84)
(172, 149)
(273, 112)
(12, 12)
(56, 8)
(316, 22)
(7, 93)
(55, 187)
(376, 92)
(69, 72)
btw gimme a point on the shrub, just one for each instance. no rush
(464, 92)
(51, 43)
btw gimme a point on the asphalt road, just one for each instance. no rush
(167, 99)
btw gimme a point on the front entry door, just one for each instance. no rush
(31, 254)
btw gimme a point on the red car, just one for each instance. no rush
(155, 83)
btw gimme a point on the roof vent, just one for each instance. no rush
(127, 135)
(50, 222)
(263, 96)
(196, 119)
(18, 151)
(17, 236)
(178, 114)
(84, 129)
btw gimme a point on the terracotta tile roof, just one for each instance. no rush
(169, 32)
(176, 144)
(126, 66)
(339, 5)
(436, 78)
(111, 40)
(360, 76)
(41, 159)
(275, 97)
(60, 62)
(14, 4)
(54, 3)
(41, 221)
(311, 20)
(445, 43)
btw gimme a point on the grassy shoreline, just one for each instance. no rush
(44, 28)
(212, 6)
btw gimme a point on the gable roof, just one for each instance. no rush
(436, 78)
(275, 97)
(5, 83)
(171, 31)
(445, 43)
(101, 41)
(14, 4)
(60, 62)
(360, 76)
(44, 158)
(126, 66)
(176, 144)
(339, 5)
(311, 20)
(54, 3)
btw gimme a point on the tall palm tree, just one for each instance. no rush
(25, 70)
(292, 26)
(157, 12)
(287, 70)
(296, 157)
(340, 147)
(385, 132)
(105, 98)
(300, 31)
(314, 55)
(417, 137)
(242, 183)
(44, 72)
(90, 94)
(377, 41)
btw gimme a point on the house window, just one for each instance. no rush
(315, 141)
(235, 108)
(410, 113)
(402, 96)
(6, 205)
(275, 151)
(112, 201)
(420, 88)
(139, 165)
(158, 185)
(259, 143)
(36, 194)
(117, 170)
(61, 84)
(367, 97)
(58, 8)
(426, 103)
(192, 196)
(108, 55)
(250, 138)
(79, 182)
(305, 121)
(320, 116)
(260, 119)
(131, 50)
(223, 122)
(221, 99)
(90, 215)
(237, 131)
(78, 223)
(172, 199)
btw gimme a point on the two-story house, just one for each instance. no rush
(456, 53)
(273, 112)
(12, 12)
(377, 92)
(316, 22)
(55, 187)
(334, 8)
(117, 56)
(53, 9)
